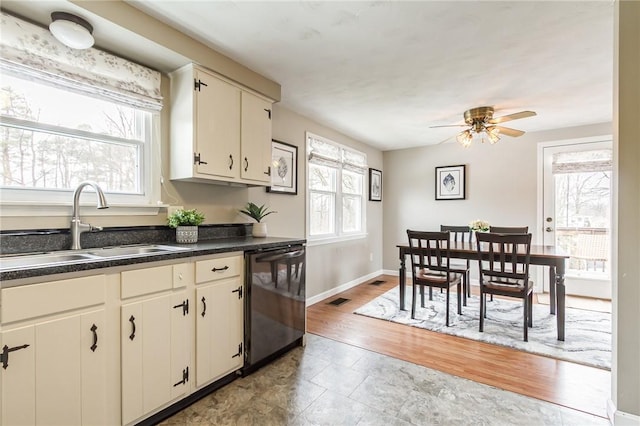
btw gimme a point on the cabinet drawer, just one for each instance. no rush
(146, 281)
(216, 269)
(36, 300)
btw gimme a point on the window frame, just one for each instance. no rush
(338, 234)
(15, 201)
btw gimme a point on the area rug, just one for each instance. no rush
(587, 333)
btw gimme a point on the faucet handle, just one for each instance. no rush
(95, 228)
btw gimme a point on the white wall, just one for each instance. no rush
(328, 265)
(501, 185)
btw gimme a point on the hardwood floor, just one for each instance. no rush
(568, 384)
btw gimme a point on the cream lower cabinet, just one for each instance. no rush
(155, 340)
(54, 369)
(219, 318)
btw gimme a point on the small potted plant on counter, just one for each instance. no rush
(186, 224)
(258, 213)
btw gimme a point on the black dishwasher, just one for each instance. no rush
(274, 305)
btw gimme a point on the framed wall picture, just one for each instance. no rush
(450, 183)
(284, 168)
(375, 185)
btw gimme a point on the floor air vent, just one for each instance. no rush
(339, 301)
(377, 282)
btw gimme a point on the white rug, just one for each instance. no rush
(587, 333)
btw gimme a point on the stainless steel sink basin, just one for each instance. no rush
(127, 251)
(70, 257)
(43, 260)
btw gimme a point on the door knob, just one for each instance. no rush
(548, 229)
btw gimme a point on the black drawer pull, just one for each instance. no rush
(220, 269)
(231, 162)
(132, 320)
(95, 338)
(204, 307)
(246, 164)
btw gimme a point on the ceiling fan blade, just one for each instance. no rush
(514, 116)
(450, 125)
(446, 140)
(509, 132)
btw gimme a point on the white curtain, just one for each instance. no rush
(32, 51)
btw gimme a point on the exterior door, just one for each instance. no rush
(576, 212)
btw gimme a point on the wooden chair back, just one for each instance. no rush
(432, 250)
(509, 229)
(458, 233)
(505, 257)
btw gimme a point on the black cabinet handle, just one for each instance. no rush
(231, 162)
(220, 269)
(132, 320)
(268, 112)
(95, 338)
(4, 357)
(268, 172)
(204, 306)
(246, 164)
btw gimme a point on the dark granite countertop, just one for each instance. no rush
(202, 248)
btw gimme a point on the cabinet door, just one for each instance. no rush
(18, 385)
(219, 330)
(58, 379)
(255, 138)
(154, 353)
(217, 127)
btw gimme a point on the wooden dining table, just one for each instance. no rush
(540, 255)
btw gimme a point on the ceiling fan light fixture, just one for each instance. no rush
(465, 138)
(492, 134)
(71, 30)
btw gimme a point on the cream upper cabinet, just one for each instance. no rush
(219, 131)
(55, 367)
(256, 138)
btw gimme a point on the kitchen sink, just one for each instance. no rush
(126, 251)
(44, 259)
(70, 257)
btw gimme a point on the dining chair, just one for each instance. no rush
(504, 271)
(509, 229)
(461, 234)
(430, 266)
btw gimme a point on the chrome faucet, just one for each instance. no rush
(77, 227)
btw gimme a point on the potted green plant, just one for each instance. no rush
(186, 222)
(257, 213)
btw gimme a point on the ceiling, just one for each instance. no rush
(383, 72)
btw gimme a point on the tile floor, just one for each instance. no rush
(331, 383)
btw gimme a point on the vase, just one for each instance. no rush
(187, 234)
(259, 230)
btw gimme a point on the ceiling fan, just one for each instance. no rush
(480, 121)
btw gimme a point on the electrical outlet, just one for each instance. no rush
(172, 209)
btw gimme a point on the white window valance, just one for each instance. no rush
(29, 50)
(329, 153)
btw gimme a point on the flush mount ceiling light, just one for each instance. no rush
(71, 30)
(482, 124)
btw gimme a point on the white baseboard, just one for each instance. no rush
(620, 418)
(342, 287)
(393, 272)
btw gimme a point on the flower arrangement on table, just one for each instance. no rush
(479, 225)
